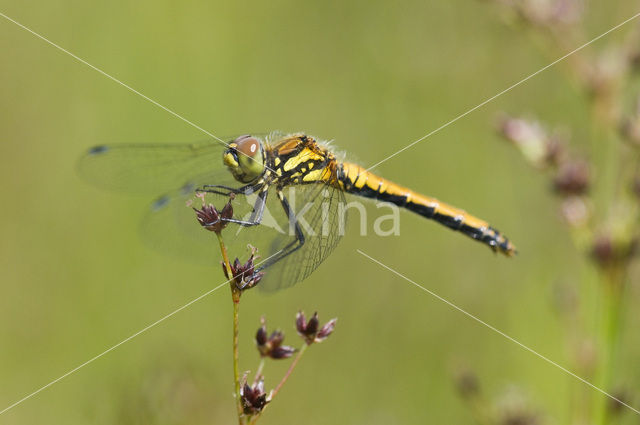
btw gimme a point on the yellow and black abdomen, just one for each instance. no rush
(356, 180)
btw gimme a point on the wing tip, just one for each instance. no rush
(159, 203)
(97, 150)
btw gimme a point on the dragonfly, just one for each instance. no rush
(288, 190)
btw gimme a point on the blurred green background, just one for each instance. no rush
(374, 76)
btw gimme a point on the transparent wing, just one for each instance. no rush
(153, 168)
(320, 213)
(170, 226)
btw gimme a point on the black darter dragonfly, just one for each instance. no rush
(289, 192)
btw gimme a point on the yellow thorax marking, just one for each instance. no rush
(312, 176)
(305, 155)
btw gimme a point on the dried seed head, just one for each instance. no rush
(326, 330)
(549, 13)
(616, 406)
(586, 356)
(567, 12)
(606, 72)
(602, 250)
(253, 398)
(210, 218)
(528, 136)
(608, 250)
(309, 330)
(633, 57)
(514, 408)
(556, 149)
(261, 335)
(244, 275)
(539, 147)
(575, 210)
(467, 384)
(271, 346)
(227, 210)
(573, 178)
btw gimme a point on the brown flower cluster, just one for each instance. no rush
(251, 399)
(211, 218)
(244, 275)
(603, 212)
(270, 346)
(311, 331)
(510, 407)
(548, 152)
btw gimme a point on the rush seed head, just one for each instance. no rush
(271, 345)
(573, 178)
(244, 275)
(252, 397)
(309, 330)
(211, 218)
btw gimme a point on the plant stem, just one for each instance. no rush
(259, 371)
(235, 297)
(289, 371)
(612, 304)
(480, 410)
(282, 382)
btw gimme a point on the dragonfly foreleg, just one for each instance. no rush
(226, 190)
(258, 210)
(292, 246)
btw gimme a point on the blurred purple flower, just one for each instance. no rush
(211, 219)
(271, 346)
(573, 178)
(531, 139)
(310, 330)
(253, 398)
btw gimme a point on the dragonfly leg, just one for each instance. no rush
(227, 190)
(258, 211)
(258, 208)
(292, 246)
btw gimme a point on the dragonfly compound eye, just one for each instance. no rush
(245, 158)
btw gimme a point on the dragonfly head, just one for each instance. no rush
(245, 158)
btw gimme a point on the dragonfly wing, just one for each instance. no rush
(153, 168)
(322, 220)
(170, 226)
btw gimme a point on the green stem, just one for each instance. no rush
(480, 411)
(611, 316)
(235, 297)
(259, 371)
(289, 371)
(282, 382)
